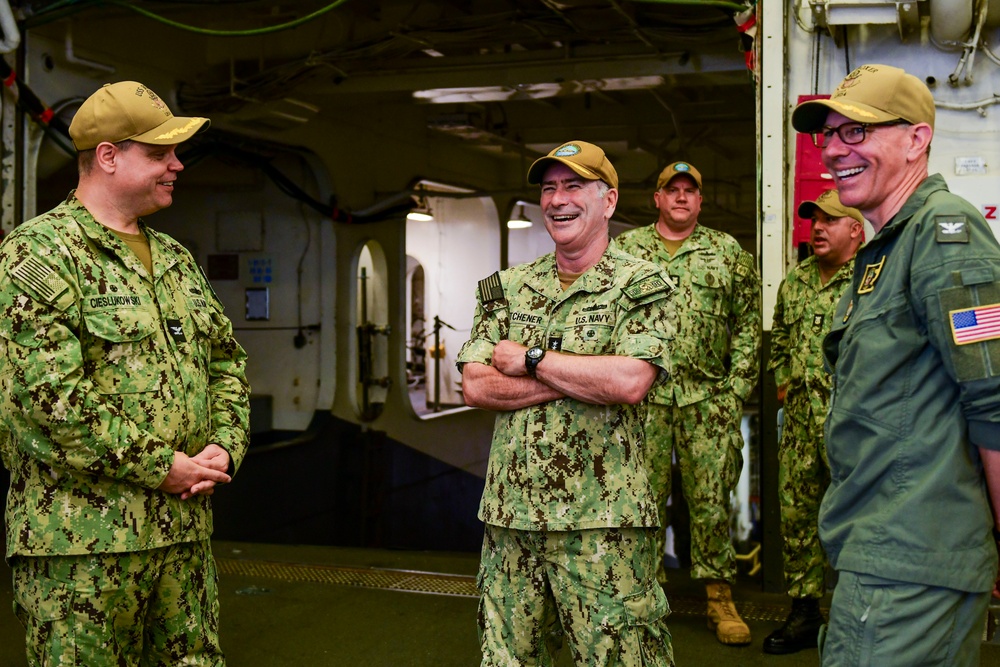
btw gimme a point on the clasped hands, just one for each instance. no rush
(197, 475)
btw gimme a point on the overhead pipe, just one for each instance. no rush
(968, 59)
(11, 35)
(722, 4)
(978, 106)
(951, 22)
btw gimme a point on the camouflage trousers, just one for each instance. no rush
(707, 440)
(803, 475)
(593, 588)
(155, 607)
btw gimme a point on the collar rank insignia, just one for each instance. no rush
(872, 272)
(176, 330)
(951, 229)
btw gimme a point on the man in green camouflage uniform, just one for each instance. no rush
(124, 394)
(714, 358)
(565, 348)
(807, 300)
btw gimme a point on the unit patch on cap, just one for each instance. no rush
(852, 78)
(951, 229)
(154, 99)
(681, 166)
(568, 150)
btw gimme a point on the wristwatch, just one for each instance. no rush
(531, 359)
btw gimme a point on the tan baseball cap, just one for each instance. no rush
(585, 159)
(829, 203)
(129, 110)
(871, 94)
(678, 169)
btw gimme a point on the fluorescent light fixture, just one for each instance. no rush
(519, 220)
(535, 91)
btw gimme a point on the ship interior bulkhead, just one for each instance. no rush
(365, 166)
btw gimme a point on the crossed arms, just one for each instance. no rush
(600, 380)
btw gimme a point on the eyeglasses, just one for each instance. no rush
(850, 133)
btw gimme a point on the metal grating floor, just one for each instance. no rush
(397, 580)
(438, 584)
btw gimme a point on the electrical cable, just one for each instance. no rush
(331, 211)
(984, 45)
(227, 33)
(43, 115)
(299, 341)
(817, 48)
(798, 18)
(65, 7)
(446, 33)
(847, 51)
(723, 4)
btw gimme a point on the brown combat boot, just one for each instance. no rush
(722, 617)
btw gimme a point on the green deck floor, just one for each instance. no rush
(304, 606)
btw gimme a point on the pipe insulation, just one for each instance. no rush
(951, 22)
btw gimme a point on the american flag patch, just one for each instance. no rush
(39, 277)
(973, 325)
(490, 288)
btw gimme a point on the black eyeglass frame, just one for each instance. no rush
(821, 138)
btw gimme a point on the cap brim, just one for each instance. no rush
(697, 181)
(806, 209)
(537, 170)
(174, 131)
(811, 116)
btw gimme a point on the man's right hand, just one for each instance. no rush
(185, 473)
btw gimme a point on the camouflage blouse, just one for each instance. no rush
(803, 315)
(105, 372)
(565, 464)
(717, 330)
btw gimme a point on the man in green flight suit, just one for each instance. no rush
(714, 359)
(807, 299)
(126, 402)
(565, 349)
(914, 420)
